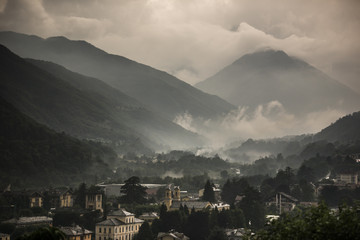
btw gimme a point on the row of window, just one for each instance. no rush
(126, 237)
(121, 229)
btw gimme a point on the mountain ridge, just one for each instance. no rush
(96, 111)
(261, 77)
(157, 89)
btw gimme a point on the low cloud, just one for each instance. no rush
(266, 121)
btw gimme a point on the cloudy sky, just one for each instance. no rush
(194, 39)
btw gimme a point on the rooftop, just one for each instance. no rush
(121, 213)
(75, 231)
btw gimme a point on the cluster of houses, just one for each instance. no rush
(120, 224)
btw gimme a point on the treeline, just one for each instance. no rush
(175, 163)
(198, 225)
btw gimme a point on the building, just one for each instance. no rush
(119, 225)
(174, 203)
(283, 202)
(93, 201)
(347, 178)
(171, 235)
(36, 200)
(76, 233)
(66, 199)
(4, 236)
(149, 217)
(30, 221)
(220, 206)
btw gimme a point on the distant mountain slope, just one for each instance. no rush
(81, 106)
(132, 113)
(159, 90)
(34, 155)
(346, 129)
(266, 76)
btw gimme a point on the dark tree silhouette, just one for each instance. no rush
(134, 192)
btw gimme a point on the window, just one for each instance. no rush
(104, 230)
(109, 230)
(116, 231)
(99, 229)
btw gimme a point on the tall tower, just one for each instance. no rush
(168, 198)
(177, 193)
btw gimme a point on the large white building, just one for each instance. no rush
(119, 225)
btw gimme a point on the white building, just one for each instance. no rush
(119, 225)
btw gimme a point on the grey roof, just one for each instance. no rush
(173, 234)
(66, 191)
(75, 231)
(111, 222)
(136, 220)
(289, 197)
(117, 222)
(149, 214)
(189, 204)
(121, 213)
(29, 220)
(36, 194)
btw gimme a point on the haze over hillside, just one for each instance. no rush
(156, 89)
(85, 107)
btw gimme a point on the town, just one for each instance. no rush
(135, 210)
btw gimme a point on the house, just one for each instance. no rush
(119, 225)
(347, 178)
(283, 202)
(174, 203)
(30, 221)
(4, 236)
(149, 217)
(93, 201)
(36, 200)
(220, 206)
(66, 199)
(171, 235)
(76, 233)
(237, 233)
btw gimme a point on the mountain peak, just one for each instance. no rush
(268, 58)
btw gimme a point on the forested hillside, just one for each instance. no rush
(34, 155)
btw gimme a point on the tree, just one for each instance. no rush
(209, 194)
(253, 208)
(144, 232)
(81, 195)
(197, 226)
(134, 192)
(217, 234)
(45, 233)
(315, 223)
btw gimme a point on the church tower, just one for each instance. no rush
(177, 193)
(168, 198)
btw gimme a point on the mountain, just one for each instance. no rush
(265, 76)
(84, 107)
(34, 155)
(344, 130)
(158, 90)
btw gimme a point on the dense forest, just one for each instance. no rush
(34, 155)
